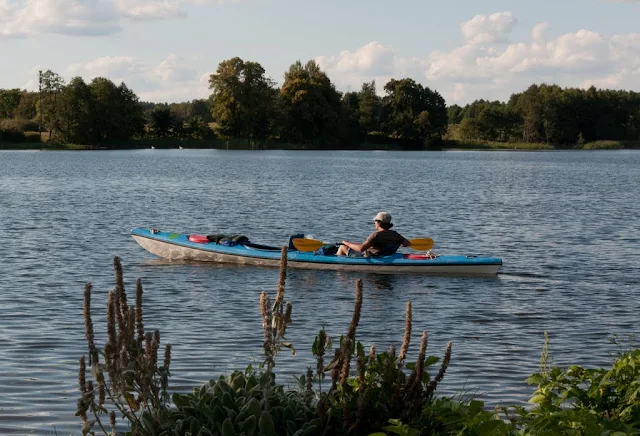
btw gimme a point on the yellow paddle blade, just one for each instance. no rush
(303, 244)
(421, 244)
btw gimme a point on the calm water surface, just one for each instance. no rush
(565, 223)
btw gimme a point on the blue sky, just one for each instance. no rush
(165, 50)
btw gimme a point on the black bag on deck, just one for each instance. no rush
(229, 240)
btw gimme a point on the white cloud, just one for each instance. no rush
(149, 9)
(23, 18)
(172, 79)
(173, 68)
(117, 68)
(371, 58)
(481, 69)
(483, 29)
(178, 92)
(72, 17)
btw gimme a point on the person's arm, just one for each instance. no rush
(406, 242)
(359, 247)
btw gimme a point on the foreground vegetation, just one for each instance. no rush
(352, 392)
(245, 106)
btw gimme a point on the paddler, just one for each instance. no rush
(382, 242)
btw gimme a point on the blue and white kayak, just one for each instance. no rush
(176, 246)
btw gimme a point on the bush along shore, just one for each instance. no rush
(349, 390)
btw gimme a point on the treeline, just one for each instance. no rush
(553, 115)
(186, 120)
(307, 109)
(244, 104)
(76, 112)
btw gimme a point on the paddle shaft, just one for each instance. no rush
(302, 244)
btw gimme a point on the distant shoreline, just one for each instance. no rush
(235, 144)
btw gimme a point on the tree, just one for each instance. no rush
(455, 114)
(470, 129)
(131, 114)
(242, 99)
(496, 122)
(370, 108)
(162, 121)
(118, 112)
(28, 107)
(200, 108)
(416, 113)
(74, 113)
(350, 129)
(51, 85)
(197, 128)
(9, 102)
(311, 106)
(528, 105)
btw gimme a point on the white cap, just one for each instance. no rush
(383, 217)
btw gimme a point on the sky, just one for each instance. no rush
(165, 50)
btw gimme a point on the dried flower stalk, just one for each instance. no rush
(407, 334)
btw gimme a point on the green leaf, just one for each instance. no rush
(227, 401)
(488, 428)
(287, 414)
(227, 428)
(217, 390)
(310, 431)
(249, 425)
(537, 399)
(180, 400)
(360, 350)
(251, 382)
(431, 360)
(195, 426)
(291, 427)
(266, 424)
(253, 408)
(219, 414)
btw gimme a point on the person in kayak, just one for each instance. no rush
(382, 242)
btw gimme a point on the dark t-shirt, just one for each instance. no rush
(384, 243)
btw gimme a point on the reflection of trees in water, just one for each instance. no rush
(382, 282)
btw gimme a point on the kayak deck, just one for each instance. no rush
(178, 246)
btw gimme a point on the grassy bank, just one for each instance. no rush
(491, 145)
(243, 144)
(453, 144)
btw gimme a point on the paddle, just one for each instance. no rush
(303, 244)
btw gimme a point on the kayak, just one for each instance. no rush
(176, 246)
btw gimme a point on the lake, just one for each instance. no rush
(566, 224)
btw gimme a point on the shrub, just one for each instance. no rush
(382, 395)
(129, 378)
(19, 125)
(576, 400)
(32, 137)
(357, 402)
(11, 135)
